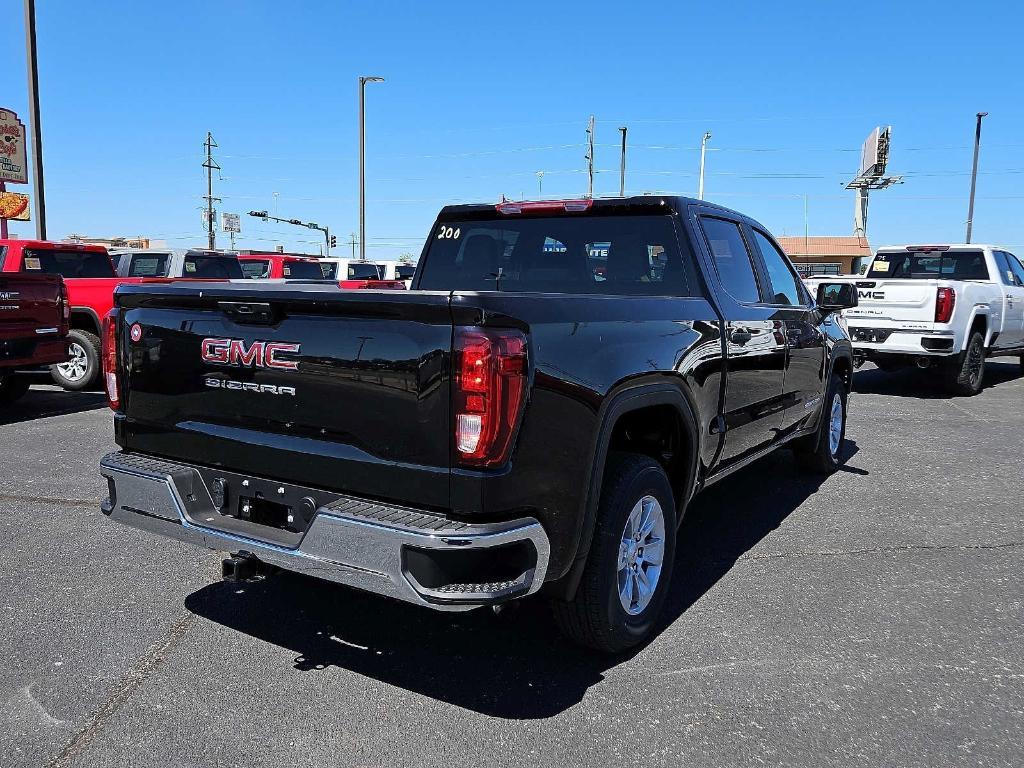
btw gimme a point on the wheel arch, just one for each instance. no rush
(634, 403)
(85, 319)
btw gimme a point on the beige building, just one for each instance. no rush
(827, 255)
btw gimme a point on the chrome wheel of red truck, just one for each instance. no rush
(82, 370)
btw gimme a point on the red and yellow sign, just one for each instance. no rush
(14, 206)
(13, 166)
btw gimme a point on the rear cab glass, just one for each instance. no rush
(305, 270)
(254, 269)
(930, 265)
(211, 266)
(635, 255)
(68, 264)
(363, 271)
(148, 265)
(405, 271)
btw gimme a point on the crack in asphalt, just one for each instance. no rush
(51, 500)
(126, 685)
(877, 550)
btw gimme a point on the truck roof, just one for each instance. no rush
(937, 246)
(54, 245)
(605, 205)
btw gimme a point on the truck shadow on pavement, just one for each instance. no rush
(44, 401)
(927, 385)
(512, 665)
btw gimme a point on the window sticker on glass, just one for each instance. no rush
(32, 263)
(190, 266)
(287, 270)
(449, 233)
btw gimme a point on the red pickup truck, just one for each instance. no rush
(33, 328)
(89, 280)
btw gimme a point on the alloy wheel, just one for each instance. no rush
(641, 552)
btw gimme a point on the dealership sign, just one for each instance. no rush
(13, 166)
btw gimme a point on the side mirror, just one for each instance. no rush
(834, 297)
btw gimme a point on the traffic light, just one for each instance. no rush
(334, 241)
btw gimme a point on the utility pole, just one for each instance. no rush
(353, 241)
(210, 165)
(703, 151)
(362, 162)
(590, 157)
(622, 164)
(33, 115)
(974, 175)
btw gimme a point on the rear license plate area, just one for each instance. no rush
(263, 512)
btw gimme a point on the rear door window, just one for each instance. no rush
(1016, 267)
(630, 255)
(786, 288)
(68, 264)
(732, 259)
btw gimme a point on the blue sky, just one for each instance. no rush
(481, 96)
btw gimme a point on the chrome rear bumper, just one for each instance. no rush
(380, 548)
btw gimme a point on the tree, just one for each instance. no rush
(406, 258)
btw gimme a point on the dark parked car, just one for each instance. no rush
(534, 416)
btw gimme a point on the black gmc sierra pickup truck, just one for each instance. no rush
(534, 416)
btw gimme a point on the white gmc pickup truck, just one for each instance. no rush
(943, 307)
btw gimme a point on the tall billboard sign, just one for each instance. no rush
(13, 162)
(874, 153)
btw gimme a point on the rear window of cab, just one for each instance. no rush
(925, 265)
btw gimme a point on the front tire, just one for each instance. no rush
(822, 452)
(13, 386)
(626, 579)
(82, 371)
(966, 371)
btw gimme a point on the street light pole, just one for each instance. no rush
(622, 164)
(703, 150)
(974, 176)
(37, 131)
(540, 183)
(363, 80)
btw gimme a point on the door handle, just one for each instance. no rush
(740, 336)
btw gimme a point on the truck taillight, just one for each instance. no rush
(109, 359)
(489, 386)
(65, 308)
(945, 300)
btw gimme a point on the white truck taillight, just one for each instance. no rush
(489, 388)
(108, 355)
(945, 300)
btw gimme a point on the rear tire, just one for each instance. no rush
(13, 386)
(822, 452)
(966, 372)
(636, 520)
(82, 371)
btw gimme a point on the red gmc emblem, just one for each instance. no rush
(259, 354)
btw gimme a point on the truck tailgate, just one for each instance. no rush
(895, 303)
(320, 386)
(29, 304)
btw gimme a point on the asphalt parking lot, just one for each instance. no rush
(874, 618)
